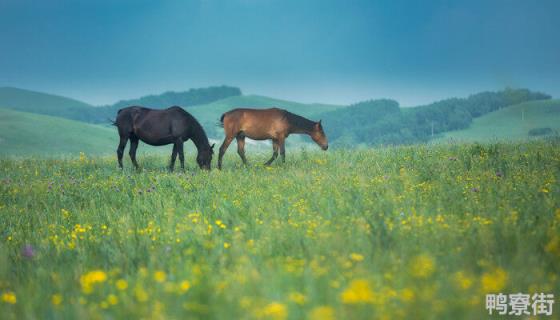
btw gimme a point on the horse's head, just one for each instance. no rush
(318, 135)
(204, 157)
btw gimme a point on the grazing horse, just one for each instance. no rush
(263, 124)
(160, 127)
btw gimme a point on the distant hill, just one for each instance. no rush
(184, 99)
(23, 133)
(382, 122)
(511, 123)
(43, 103)
(53, 105)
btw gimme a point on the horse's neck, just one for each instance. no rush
(299, 130)
(200, 140)
(299, 124)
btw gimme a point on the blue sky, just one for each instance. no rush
(310, 51)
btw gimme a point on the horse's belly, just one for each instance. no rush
(156, 141)
(257, 137)
(259, 133)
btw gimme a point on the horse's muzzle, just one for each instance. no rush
(325, 147)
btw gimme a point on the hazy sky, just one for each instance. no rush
(343, 51)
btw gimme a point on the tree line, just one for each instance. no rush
(185, 99)
(377, 122)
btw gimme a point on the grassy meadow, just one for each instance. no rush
(388, 233)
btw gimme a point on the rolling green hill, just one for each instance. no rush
(511, 123)
(43, 103)
(23, 133)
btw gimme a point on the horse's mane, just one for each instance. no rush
(299, 121)
(199, 135)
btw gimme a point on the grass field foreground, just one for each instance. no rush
(389, 233)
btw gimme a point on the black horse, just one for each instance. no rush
(161, 127)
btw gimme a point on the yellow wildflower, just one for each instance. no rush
(422, 266)
(184, 286)
(121, 284)
(356, 257)
(56, 299)
(297, 297)
(89, 279)
(141, 294)
(275, 310)
(553, 246)
(359, 291)
(494, 281)
(159, 276)
(112, 299)
(407, 295)
(462, 281)
(9, 297)
(322, 313)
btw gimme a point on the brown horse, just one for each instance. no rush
(263, 124)
(160, 127)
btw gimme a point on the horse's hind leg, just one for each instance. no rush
(120, 149)
(241, 147)
(173, 157)
(132, 151)
(223, 149)
(274, 153)
(181, 154)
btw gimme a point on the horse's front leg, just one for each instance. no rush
(282, 143)
(223, 149)
(274, 153)
(173, 157)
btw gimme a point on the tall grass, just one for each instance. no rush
(405, 232)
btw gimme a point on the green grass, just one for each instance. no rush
(43, 103)
(511, 123)
(398, 233)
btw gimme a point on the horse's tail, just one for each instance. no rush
(114, 122)
(221, 123)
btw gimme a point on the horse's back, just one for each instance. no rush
(257, 124)
(239, 113)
